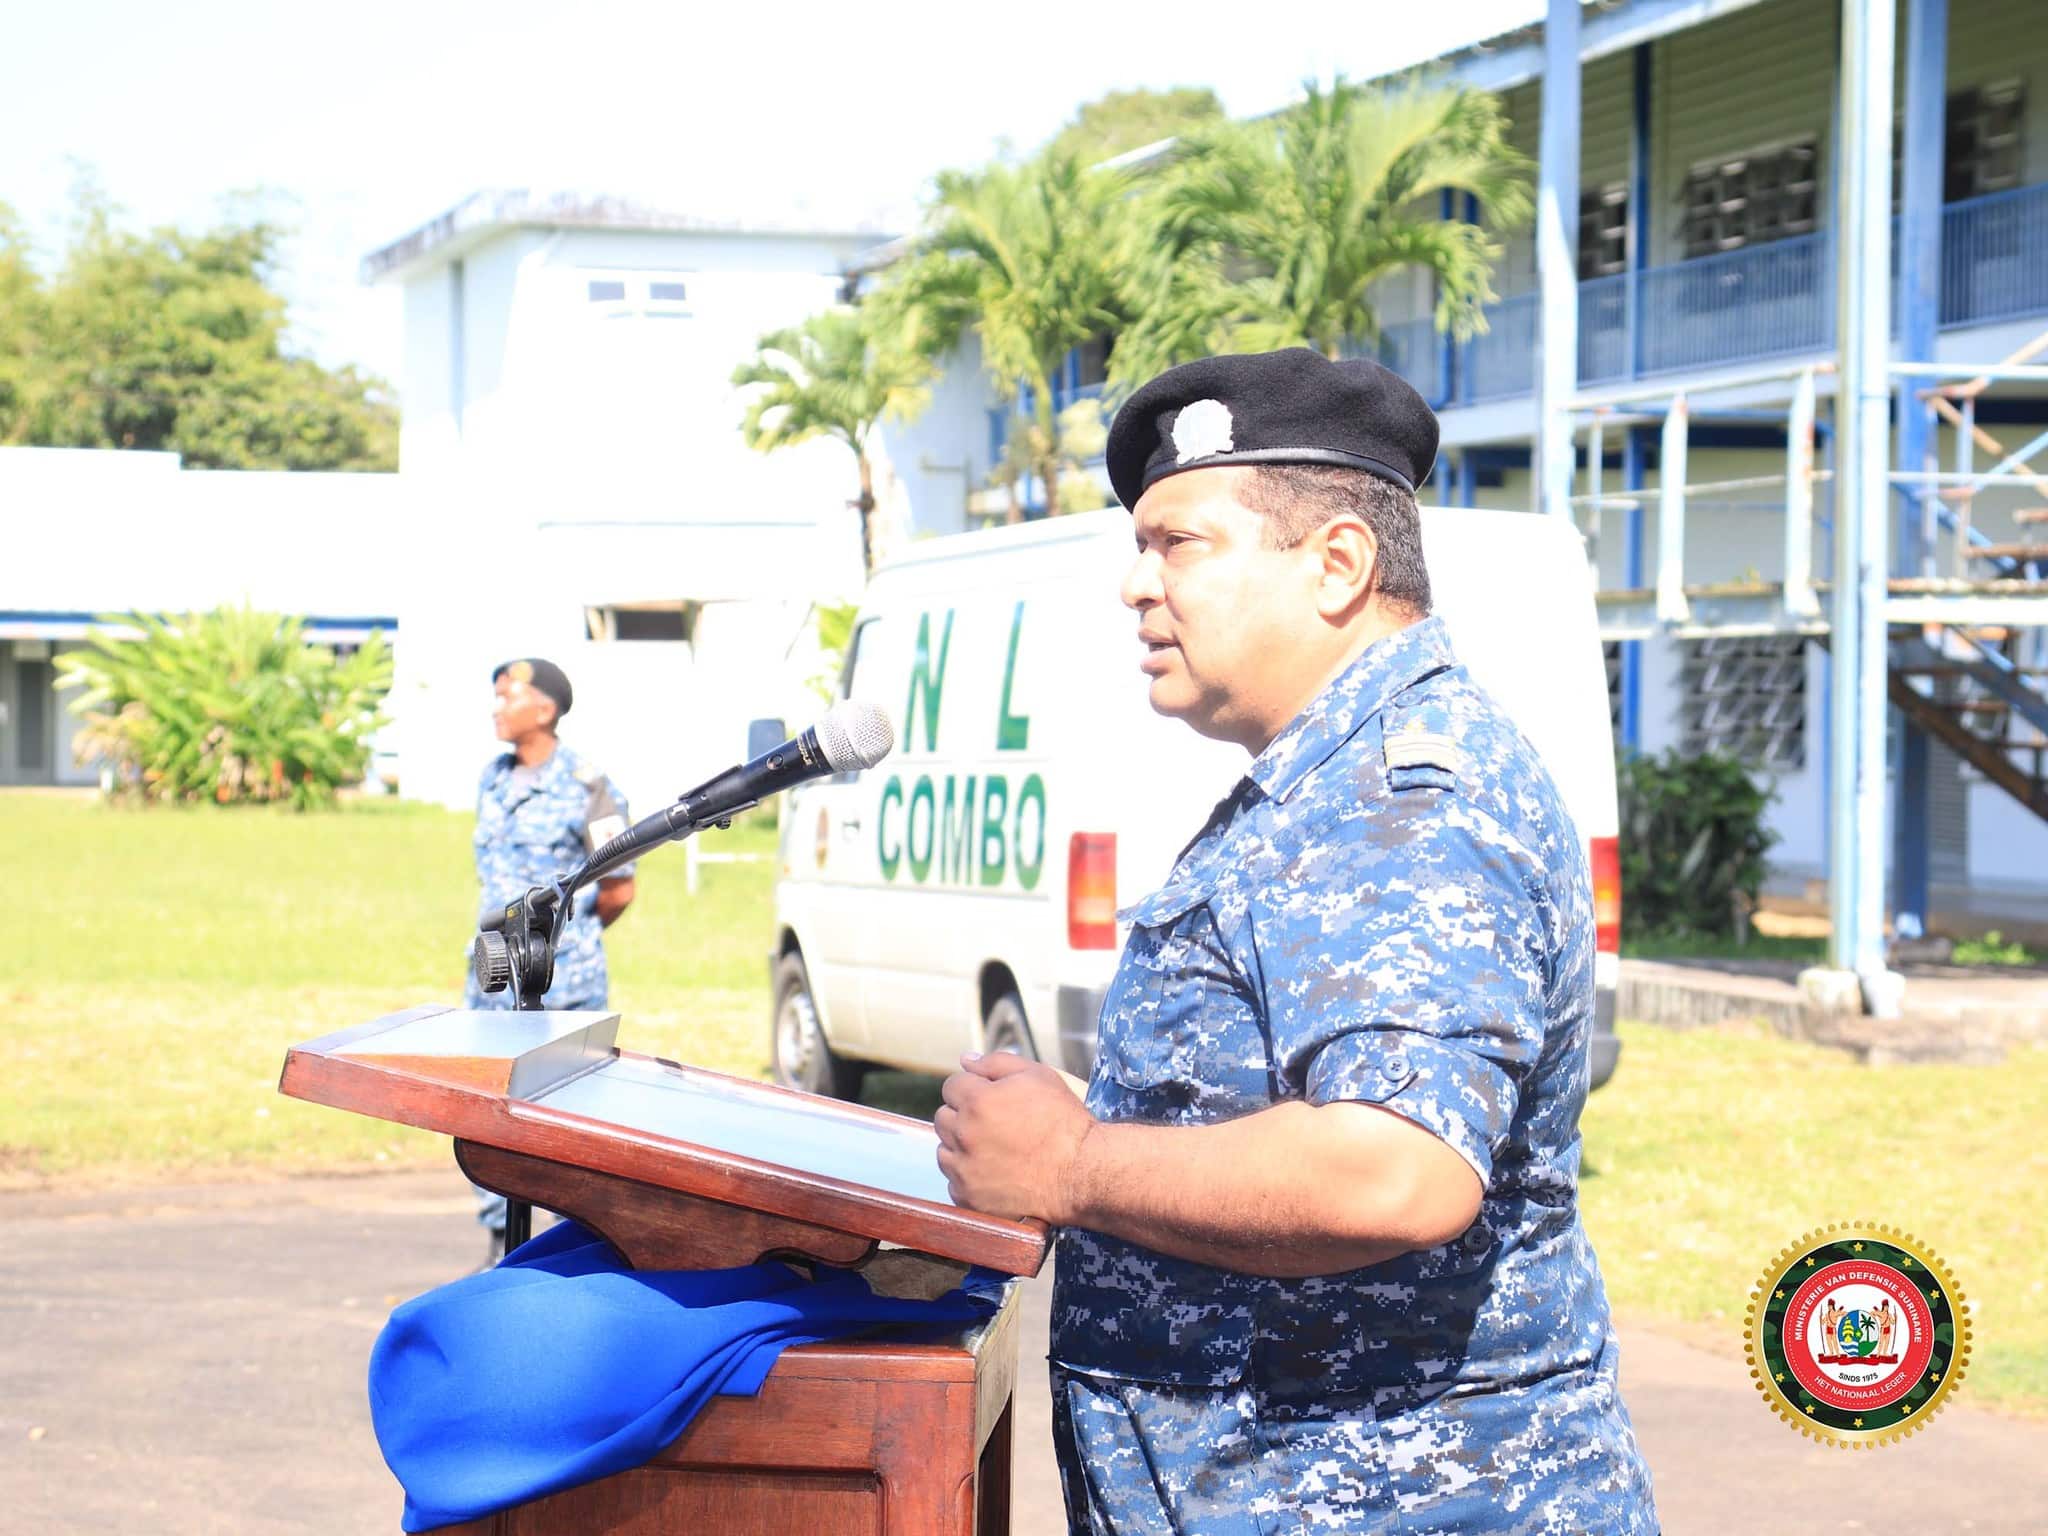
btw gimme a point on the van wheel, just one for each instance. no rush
(800, 1058)
(1006, 1030)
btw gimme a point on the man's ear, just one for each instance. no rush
(1350, 560)
(550, 711)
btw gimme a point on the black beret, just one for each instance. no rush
(1291, 407)
(544, 676)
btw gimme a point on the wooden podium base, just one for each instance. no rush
(881, 1438)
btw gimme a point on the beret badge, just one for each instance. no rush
(1203, 427)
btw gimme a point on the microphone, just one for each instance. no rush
(852, 736)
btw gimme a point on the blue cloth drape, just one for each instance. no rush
(561, 1365)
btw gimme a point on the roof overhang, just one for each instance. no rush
(491, 211)
(1607, 26)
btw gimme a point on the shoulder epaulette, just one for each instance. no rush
(1423, 740)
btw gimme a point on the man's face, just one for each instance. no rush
(1229, 628)
(521, 708)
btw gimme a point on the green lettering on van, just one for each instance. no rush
(1033, 793)
(931, 681)
(893, 790)
(995, 805)
(956, 833)
(1013, 732)
(920, 794)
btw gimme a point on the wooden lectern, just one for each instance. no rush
(680, 1168)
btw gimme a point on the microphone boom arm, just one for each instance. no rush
(516, 946)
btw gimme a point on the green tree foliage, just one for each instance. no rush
(1693, 842)
(1126, 120)
(833, 376)
(175, 341)
(1027, 258)
(22, 322)
(1272, 233)
(832, 624)
(228, 706)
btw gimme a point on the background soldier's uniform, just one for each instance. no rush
(1393, 907)
(532, 828)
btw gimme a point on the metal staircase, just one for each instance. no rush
(1979, 691)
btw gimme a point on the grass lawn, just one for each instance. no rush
(160, 963)
(1712, 1149)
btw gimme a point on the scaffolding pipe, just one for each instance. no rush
(1800, 601)
(1720, 384)
(1970, 482)
(1966, 464)
(1863, 259)
(1996, 474)
(1557, 266)
(1595, 454)
(1672, 607)
(2010, 373)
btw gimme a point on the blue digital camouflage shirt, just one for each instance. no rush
(531, 826)
(1392, 907)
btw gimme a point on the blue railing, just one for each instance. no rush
(1496, 365)
(1606, 340)
(1415, 350)
(1019, 409)
(1064, 395)
(1502, 362)
(1751, 303)
(1994, 257)
(1740, 306)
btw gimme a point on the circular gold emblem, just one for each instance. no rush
(1857, 1334)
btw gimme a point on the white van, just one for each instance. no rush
(963, 895)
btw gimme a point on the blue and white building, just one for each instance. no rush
(1675, 319)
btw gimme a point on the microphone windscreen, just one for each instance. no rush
(854, 736)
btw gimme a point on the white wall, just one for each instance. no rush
(92, 532)
(510, 571)
(928, 467)
(600, 462)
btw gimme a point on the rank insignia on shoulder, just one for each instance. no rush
(1415, 745)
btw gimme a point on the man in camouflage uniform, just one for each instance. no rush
(1320, 1264)
(540, 809)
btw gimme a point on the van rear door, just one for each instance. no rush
(835, 832)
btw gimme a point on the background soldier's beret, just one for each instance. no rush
(1291, 407)
(543, 676)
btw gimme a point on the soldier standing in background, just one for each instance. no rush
(540, 809)
(1320, 1263)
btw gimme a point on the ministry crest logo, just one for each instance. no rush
(1857, 1334)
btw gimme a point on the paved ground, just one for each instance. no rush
(191, 1360)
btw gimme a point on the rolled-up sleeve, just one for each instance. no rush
(605, 818)
(1404, 966)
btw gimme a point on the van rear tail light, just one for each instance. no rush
(1091, 890)
(1607, 895)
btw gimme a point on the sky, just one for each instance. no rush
(359, 122)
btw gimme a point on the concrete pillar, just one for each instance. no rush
(1863, 289)
(1924, 139)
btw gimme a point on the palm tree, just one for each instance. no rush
(832, 376)
(1025, 256)
(1272, 233)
